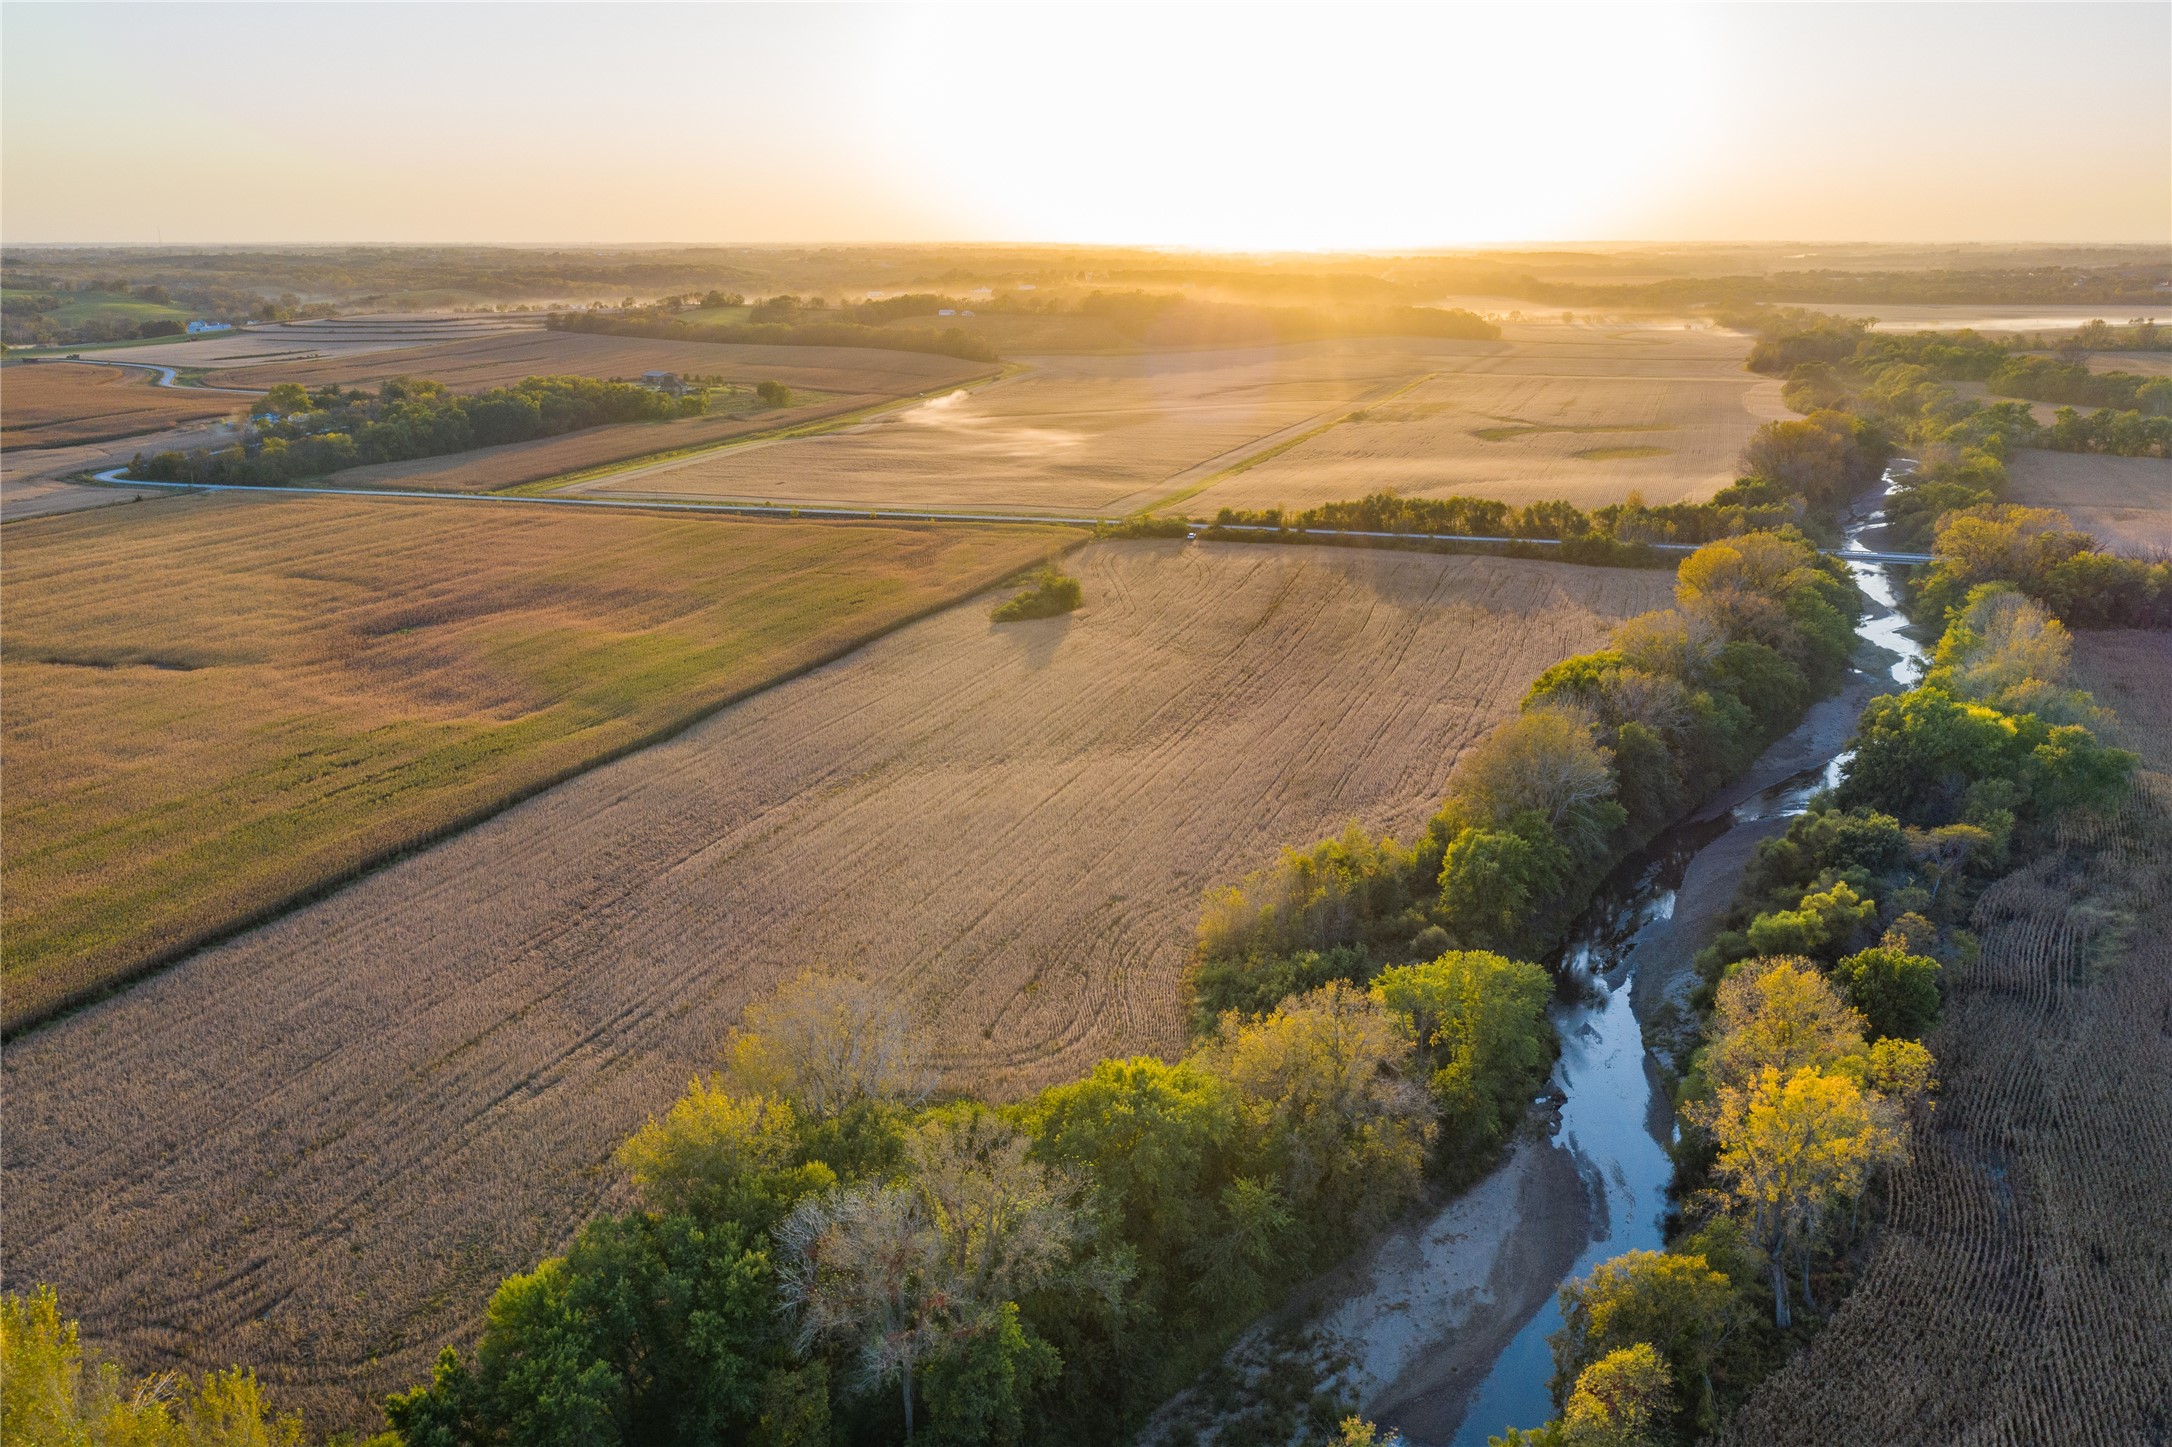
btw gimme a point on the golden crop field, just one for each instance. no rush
(488, 468)
(318, 1147)
(215, 704)
(1587, 418)
(53, 404)
(2019, 1293)
(1551, 411)
(504, 358)
(2125, 502)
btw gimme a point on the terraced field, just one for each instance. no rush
(319, 1146)
(2022, 1292)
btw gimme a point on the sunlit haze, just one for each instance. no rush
(1218, 127)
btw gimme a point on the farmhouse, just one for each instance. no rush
(663, 382)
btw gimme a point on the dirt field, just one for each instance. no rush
(1118, 433)
(489, 468)
(2125, 501)
(2022, 1292)
(216, 703)
(318, 1147)
(54, 404)
(500, 360)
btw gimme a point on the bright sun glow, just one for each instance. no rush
(1209, 128)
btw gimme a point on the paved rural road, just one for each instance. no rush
(114, 477)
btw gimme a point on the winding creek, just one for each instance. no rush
(1614, 1116)
(1442, 1324)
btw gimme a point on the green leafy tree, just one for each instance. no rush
(1676, 1303)
(1479, 1021)
(49, 1398)
(1897, 992)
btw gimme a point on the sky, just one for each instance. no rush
(1326, 126)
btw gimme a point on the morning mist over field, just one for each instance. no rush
(1085, 725)
(1223, 127)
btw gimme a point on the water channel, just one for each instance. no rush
(1612, 1118)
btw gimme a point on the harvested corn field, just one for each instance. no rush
(499, 360)
(318, 1147)
(1582, 414)
(2022, 1290)
(486, 469)
(215, 704)
(53, 404)
(2124, 502)
(1073, 433)
(1549, 412)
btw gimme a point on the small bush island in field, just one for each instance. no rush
(1048, 594)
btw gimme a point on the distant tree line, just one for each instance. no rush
(948, 342)
(1169, 319)
(2117, 285)
(302, 433)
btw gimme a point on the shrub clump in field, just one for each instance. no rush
(773, 394)
(1048, 594)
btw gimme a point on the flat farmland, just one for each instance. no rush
(54, 404)
(294, 341)
(489, 468)
(217, 703)
(1522, 436)
(501, 359)
(2025, 1272)
(318, 1146)
(2126, 502)
(1584, 413)
(2146, 364)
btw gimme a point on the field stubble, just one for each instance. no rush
(318, 1146)
(1550, 411)
(2125, 502)
(55, 404)
(215, 703)
(2021, 1290)
(479, 363)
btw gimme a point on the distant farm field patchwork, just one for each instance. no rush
(216, 703)
(2126, 502)
(396, 1095)
(53, 404)
(501, 359)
